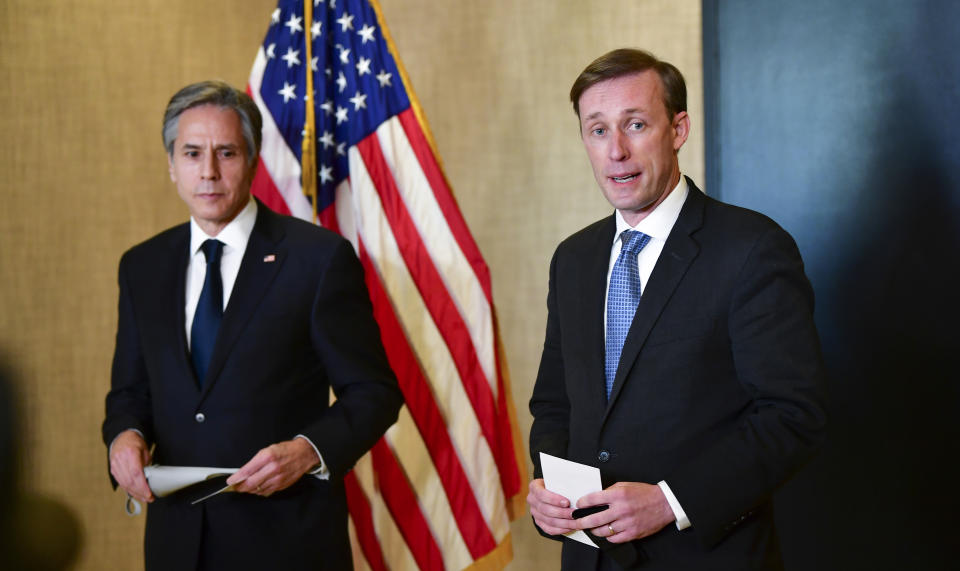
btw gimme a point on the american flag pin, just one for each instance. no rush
(270, 258)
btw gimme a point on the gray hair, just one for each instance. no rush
(221, 94)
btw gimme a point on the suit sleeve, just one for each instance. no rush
(128, 401)
(549, 403)
(347, 338)
(776, 355)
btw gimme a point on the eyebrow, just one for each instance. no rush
(630, 111)
(229, 146)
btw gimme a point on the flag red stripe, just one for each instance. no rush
(402, 502)
(505, 451)
(419, 400)
(433, 291)
(264, 189)
(448, 205)
(328, 218)
(363, 522)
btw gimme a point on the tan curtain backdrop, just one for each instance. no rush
(83, 177)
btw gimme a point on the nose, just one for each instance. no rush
(211, 169)
(618, 146)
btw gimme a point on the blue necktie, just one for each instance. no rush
(206, 320)
(623, 296)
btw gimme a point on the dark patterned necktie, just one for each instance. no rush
(206, 320)
(623, 296)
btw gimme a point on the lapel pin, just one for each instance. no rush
(270, 258)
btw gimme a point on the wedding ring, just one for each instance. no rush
(610, 527)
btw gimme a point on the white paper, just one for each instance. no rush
(165, 480)
(571, 480)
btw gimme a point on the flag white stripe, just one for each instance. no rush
(280, 161)
(454, 269)
(343, 208)
(427, 344)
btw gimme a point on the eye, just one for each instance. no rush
(191, 153)
(636, 125)
(599, 131)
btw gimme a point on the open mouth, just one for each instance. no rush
(625, 178)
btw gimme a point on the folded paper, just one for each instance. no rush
(165, 480)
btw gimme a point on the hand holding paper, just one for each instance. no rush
(550, 511)
(570, 480)
(636, 511)
(275, 467)
(129, 453)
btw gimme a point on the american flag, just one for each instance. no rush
(345, 144)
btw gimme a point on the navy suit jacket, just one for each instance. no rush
(718, 390)
(298, 323)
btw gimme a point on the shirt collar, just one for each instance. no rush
(234, 235)
(658, 223)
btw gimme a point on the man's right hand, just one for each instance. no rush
(551, 511)
(129, 453)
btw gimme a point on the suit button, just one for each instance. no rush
(603, 456)
(200, 417)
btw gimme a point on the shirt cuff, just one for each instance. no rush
(319, 471)
(682, 521)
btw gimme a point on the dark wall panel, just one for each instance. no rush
(841, 120)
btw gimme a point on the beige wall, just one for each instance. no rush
(83, 177)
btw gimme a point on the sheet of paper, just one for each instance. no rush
(165, 480)
(571, 480)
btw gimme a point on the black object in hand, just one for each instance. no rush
(584, 512)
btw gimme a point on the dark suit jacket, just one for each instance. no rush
(718, 391)
(297, 325)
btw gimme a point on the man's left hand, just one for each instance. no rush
(275, 467)
(636, 510)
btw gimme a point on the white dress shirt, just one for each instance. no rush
(657, 225)
(234, 236)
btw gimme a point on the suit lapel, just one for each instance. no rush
(594, 288)
(678, 253)
(168, 315)
(259, 267)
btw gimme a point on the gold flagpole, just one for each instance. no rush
(308, 160)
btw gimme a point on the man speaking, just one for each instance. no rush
(233, 328)
(681, 357)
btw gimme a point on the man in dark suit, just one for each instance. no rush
(681, 357)
(232, 330)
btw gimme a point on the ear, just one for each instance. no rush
(681, 129)
(173, 175)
